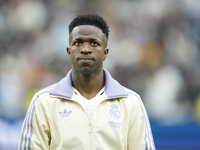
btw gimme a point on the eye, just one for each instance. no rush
(95, 44)
(77, 43)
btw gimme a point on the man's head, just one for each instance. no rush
(87, 44)
(90, 19)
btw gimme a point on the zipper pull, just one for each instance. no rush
(90, 128)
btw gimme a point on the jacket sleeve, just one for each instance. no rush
(140, 135)
(35, 134)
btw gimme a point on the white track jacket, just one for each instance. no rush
(54, 121)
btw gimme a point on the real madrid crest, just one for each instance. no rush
(114, 112)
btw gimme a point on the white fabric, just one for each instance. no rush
(89, 105)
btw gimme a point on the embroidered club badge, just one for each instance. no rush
(114, 112)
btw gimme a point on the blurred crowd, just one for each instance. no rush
(154, 49)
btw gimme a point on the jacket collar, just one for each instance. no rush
(112, 88)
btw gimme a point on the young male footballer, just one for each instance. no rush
(88, 109)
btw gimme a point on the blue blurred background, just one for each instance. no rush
(154, 50)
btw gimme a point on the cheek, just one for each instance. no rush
(101, 56)
(73, 52)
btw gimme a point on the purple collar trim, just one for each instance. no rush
(112, 88)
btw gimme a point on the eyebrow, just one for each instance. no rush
(80, 39)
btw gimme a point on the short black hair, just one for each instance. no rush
(90, 19)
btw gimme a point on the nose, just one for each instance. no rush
(86, 49)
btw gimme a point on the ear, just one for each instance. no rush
(105, 53)
(68, 51)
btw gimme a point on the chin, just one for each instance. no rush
(86, 71)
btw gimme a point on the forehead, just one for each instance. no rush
(87, 30)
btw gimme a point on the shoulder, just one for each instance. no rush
(133, 99)
(132, 93)
(43, 91)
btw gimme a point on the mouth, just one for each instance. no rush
(85, 59)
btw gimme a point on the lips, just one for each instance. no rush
(85, 59)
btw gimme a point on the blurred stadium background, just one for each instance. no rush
(154, 50)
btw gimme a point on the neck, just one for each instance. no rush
(88, 86)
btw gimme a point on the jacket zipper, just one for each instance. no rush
(90, 136)
(90, 128)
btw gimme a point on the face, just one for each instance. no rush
(87, 49)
